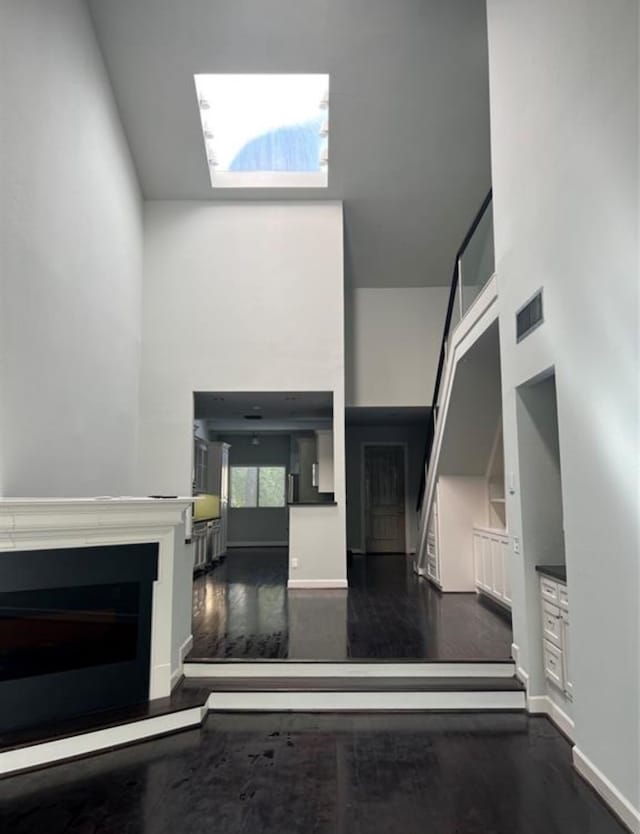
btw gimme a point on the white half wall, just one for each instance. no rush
(564, 120)
(393, 344)
(239, 297)
(70, 261)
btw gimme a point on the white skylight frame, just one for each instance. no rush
(239, 110)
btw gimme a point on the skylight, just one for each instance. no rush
(265, 131)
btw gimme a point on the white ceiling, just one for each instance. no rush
(409, 115)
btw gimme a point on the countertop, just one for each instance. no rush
(558, 572)
(313, 504)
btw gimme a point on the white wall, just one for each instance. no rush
(564, 116)
(414, 438)
(70, 261)
(239, 298)
(393, 344)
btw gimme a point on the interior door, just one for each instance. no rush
(384, 499)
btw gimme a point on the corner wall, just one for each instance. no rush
(70, 261)
(564, 116)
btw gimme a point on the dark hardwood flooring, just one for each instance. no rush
(328, 774)
(242, 610)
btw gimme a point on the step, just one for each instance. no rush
(338, 694)
(34, 748)
(228, 668)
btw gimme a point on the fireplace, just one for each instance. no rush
(75, 631)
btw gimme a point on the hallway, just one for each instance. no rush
(242, 610)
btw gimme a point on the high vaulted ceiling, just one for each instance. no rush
(409, 112)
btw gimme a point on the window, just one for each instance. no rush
(257, 486)
(265, 131)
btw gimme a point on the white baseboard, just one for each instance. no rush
(38, 755)
(358, 701)
(618, 803)
(231, 545)
(343, 669)
(543, 705)
(522, 675)
(316, 584)
(515, 652)
(183, 651)
(185, 648)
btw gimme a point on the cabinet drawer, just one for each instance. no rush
(563, 597)
(548, 589)
(551, 623)
(553, 664)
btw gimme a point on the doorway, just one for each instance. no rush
(384, 475)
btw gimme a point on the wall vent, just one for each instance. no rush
(529, 316)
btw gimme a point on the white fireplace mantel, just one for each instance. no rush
(54, 523)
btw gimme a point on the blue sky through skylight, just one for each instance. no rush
(274, 126)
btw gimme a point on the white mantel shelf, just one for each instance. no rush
(24, 518)
(56, 523)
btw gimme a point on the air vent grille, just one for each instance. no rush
(529, 317)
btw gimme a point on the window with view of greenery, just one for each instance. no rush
(257, 486)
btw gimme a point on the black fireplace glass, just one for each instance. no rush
(57, 629)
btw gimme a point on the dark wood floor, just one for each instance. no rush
(328, 774)
(242, 609)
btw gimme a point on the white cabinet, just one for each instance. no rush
(324, 456)
(433, 550)
(555, 634)
(492, 557)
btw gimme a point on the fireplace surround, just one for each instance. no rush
(75, 631)
(112, 594)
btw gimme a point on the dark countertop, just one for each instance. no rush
(558, 572)
(313, 504)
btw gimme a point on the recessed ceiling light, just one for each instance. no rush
(268, 130)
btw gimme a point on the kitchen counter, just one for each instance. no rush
(558, 572)
(312, 504)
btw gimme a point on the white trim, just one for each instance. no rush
(296, 584)
(543, 705)
(184, 649)
(522, 675)
(329, 669)
(363, 508)
(231, 545)
(515, 652)
(49, 752)
(336, 701)
(618, 803)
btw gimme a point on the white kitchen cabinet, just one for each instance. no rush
(556, 649)
(492, 556)
(553, 664)
(324, 457)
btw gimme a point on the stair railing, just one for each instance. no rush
(458, 303)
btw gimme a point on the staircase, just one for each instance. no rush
(472, 308)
